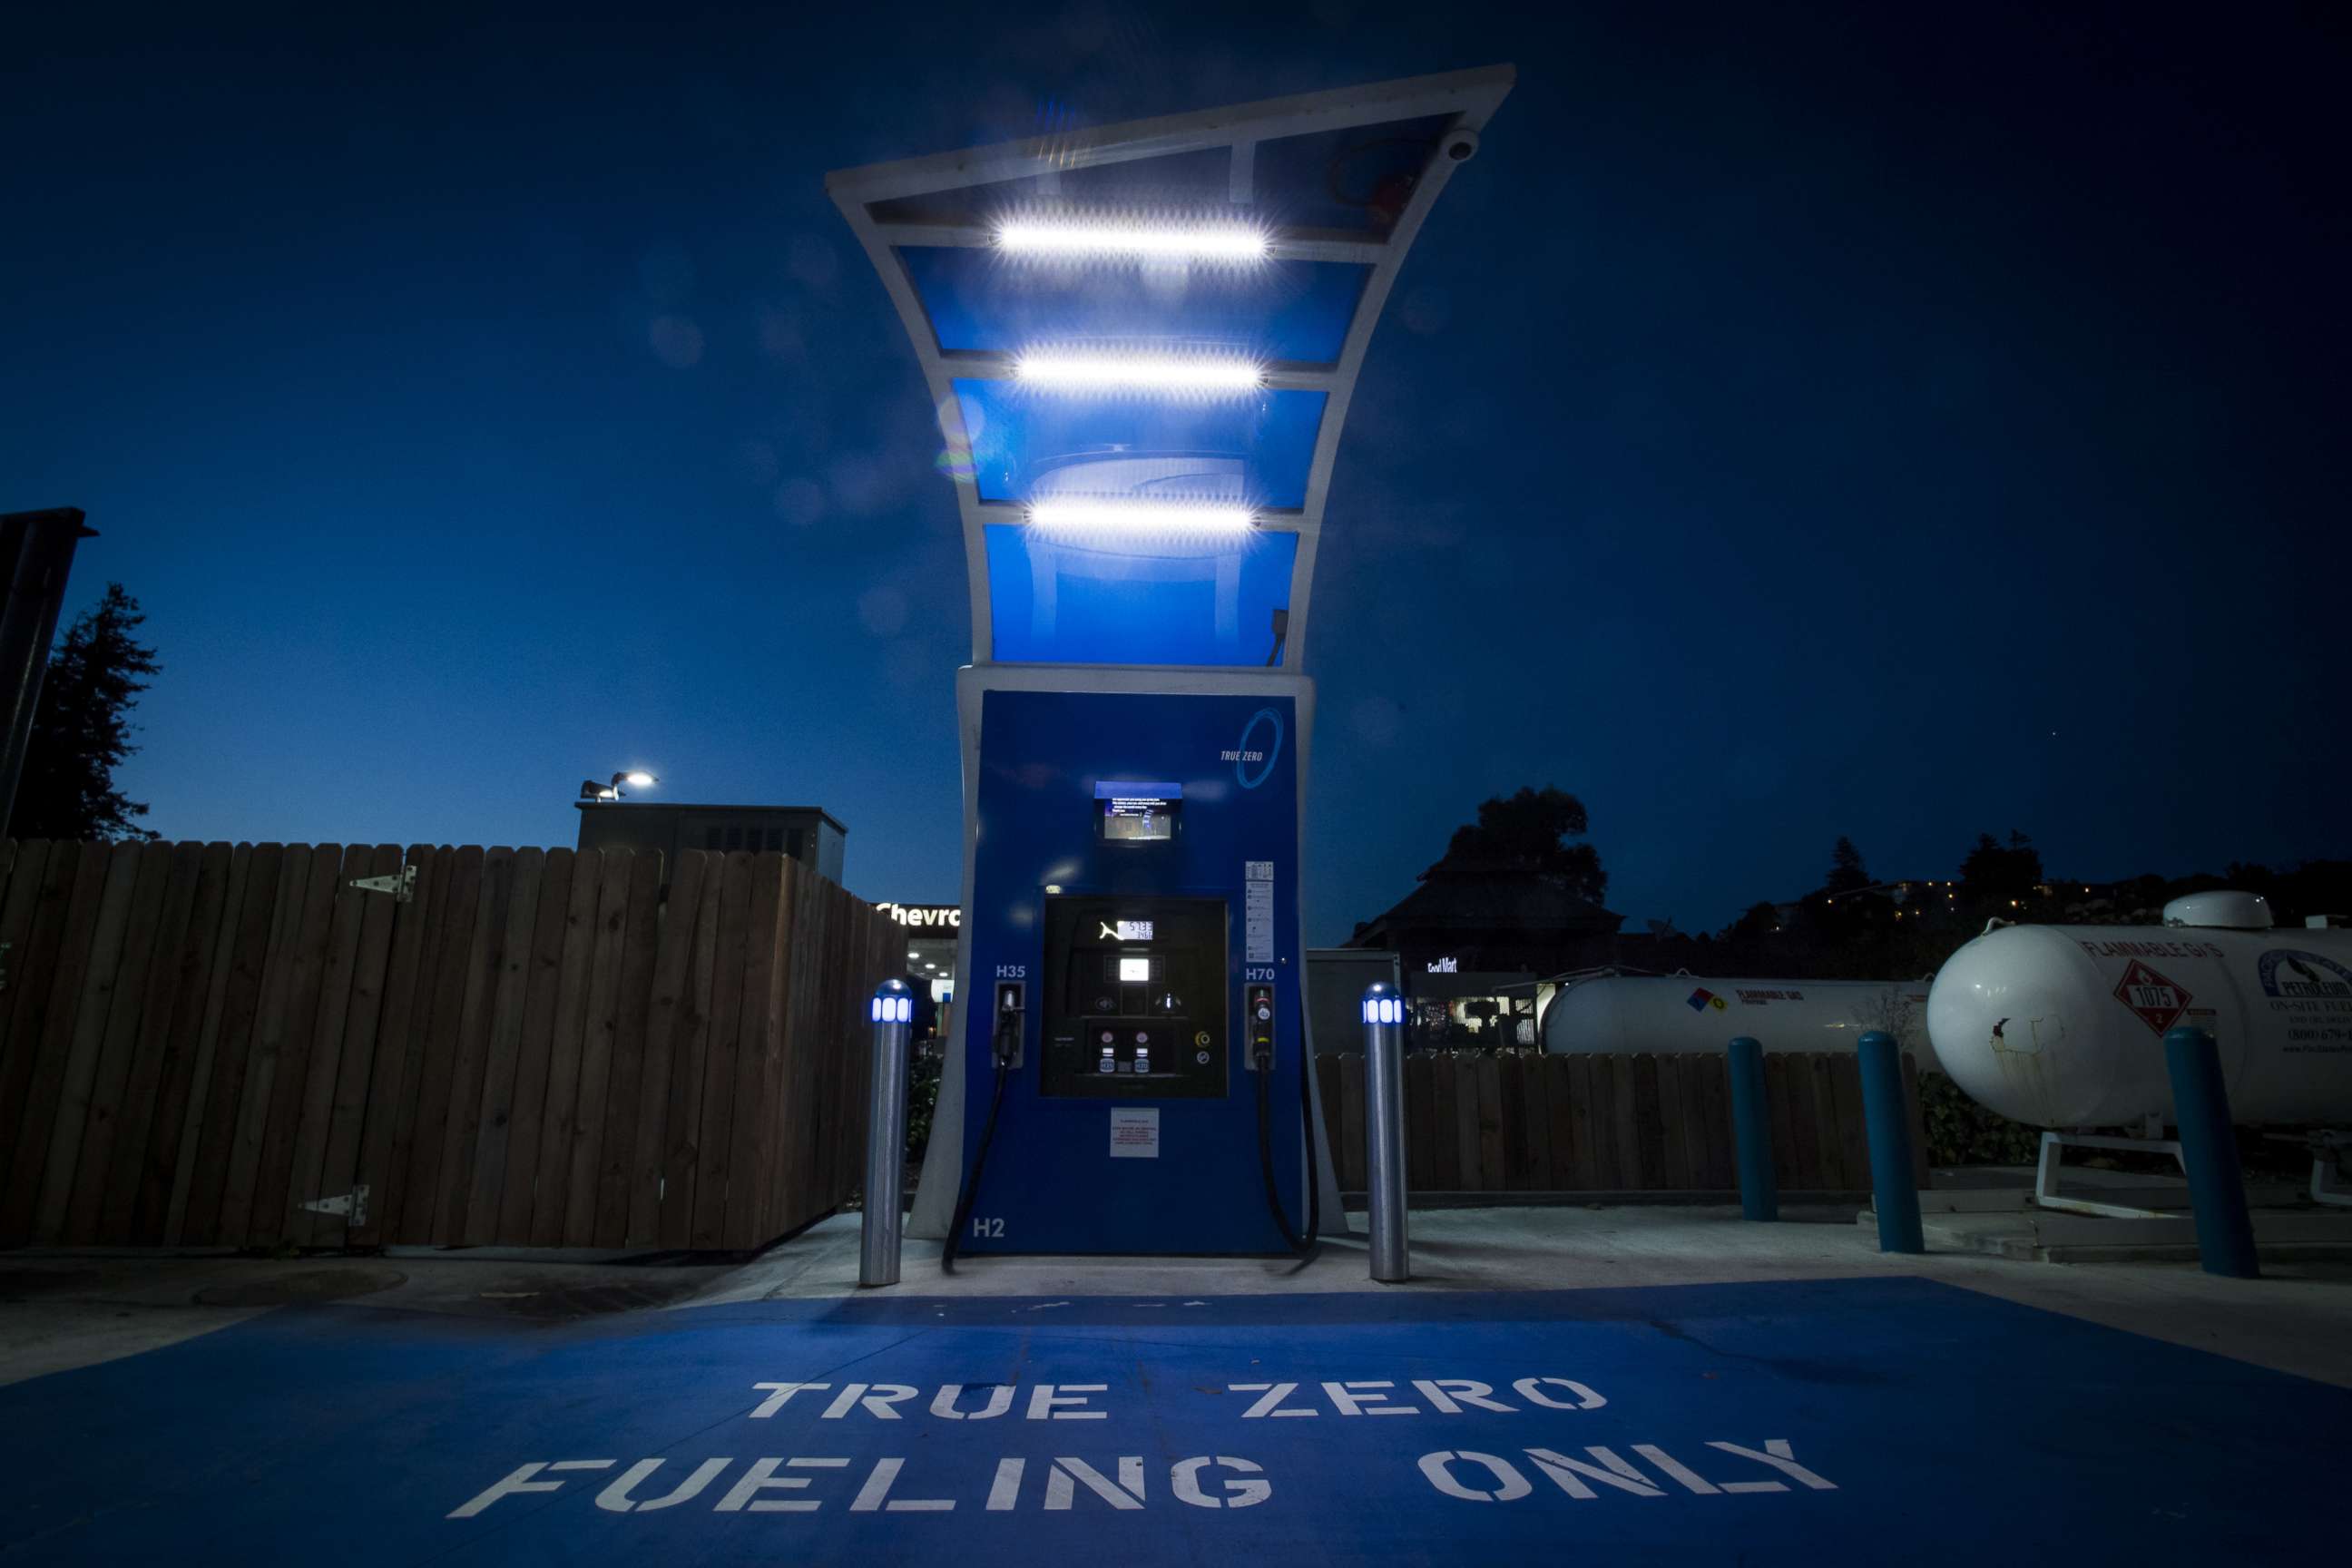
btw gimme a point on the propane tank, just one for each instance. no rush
(1677, 1013)
(2064, 1025)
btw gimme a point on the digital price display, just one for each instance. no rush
(1140, 813)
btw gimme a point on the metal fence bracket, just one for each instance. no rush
(400, 885)
(351, 1206)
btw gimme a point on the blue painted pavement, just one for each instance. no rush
(1872, 1420)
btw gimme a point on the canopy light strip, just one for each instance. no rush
(1141, 515)
(1148, 241)
(1137, 373)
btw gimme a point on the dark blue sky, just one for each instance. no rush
(1795, 423)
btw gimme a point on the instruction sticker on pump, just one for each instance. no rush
(1135, 1133)
(1258, 911)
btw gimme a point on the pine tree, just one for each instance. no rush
(82, 729)
(1847, 874)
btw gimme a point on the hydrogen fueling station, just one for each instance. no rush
(1142, 343)
(1679, 1286)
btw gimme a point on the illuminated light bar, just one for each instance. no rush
(1136, 515)
(1145, 241)
(1147, 373)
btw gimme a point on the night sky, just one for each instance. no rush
(1895, 422)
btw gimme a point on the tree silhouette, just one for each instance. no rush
(1526, 834)
(82, 728)
(1995, 873)
(1847, 873)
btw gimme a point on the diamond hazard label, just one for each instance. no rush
(2158, 1001)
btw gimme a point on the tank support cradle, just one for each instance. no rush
(2326, 1149)
(2046, 1176)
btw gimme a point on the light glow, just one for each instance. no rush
(1137, 373)
(1139, 239)
(1081, 512)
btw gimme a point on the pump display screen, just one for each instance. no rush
(1139, 813)
(1138, 970)
(1134, 996)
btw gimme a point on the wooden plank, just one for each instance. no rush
(31, 919)
(414, 1221)
(124, 1161)
(663, 1025)
(59, 1024)
(1913, 1114)
(558, 1120)
(486, 958)
(289, 1064)
(623, 1099)
(682, 1154)
(1802, 1124)
(1511, 1103)
(221, 991)
(1785, 1169)
(1560, 1117)
(600, 1024)
(1719, 1163)
(753, 1121)
(261, 1098)
(1420, 1124)
(1445, 1125)
(209, 1217)
(534, 1049)
(66, 1112)
(838, 1140)
(388, 1128)
(812, 1179)
(1536, 1107)
(1625, 1122)
(1853, 1133)
(725, 1043)
(1350, 1156)
(1584, 1132)
(1491, 1174)
(1673, 1120)
(502, 1061)
(363, 989)
(784, 1074)
(1650, 1128)
(1829, 1147)
(347, 913)
(191, 976)
(1473, 1171)
(90, 1112)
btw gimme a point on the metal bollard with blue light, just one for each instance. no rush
(1751, 1128)
(2209, 1147)
(1384, 1173)
(893, 1015)
(1894, 1193)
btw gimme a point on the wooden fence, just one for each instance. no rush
(540, 1048)
(1632, 1122)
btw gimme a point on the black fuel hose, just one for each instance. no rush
(971, 1193)
(1265, 1164)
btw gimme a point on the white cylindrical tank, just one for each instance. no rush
(2064, 1025)
(1680, 1012)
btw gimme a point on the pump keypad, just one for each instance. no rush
(1128, 1015)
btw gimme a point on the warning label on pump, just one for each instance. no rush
(1258, 911)
(1135, 1133)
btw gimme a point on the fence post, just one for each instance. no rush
(2216, 1187)
(1751, 1128)
(1893, 1192)
(893, 1014)
(1384, 1132)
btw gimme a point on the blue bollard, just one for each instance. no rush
(1893, 1192)
(2208, 1147)
(1751, 1127)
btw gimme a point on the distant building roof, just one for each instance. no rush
(1488, 901)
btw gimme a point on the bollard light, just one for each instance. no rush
(891, 1012)
(1384, 1173)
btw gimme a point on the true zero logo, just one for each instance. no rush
(1263, 754)
(1531, 1452)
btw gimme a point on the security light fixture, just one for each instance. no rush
(635, 778)
(1145, 239)
(1128, 516)
(1159, 373)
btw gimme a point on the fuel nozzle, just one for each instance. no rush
(1004, 1042)
(1258, 1010)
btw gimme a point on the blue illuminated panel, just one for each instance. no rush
(1198, 600)
(980, 301)
(1026, 441)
